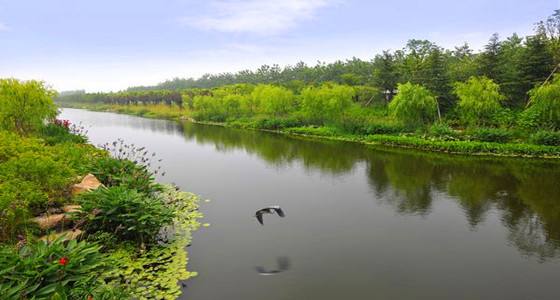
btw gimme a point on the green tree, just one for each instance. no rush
(462, 64)
(25, 105)
(414, 105)
(385, 74)
(326, 103)
(274, 100)
(488, 60)
(545, 103)
(509, 71)
(537, 61)
(479, 100)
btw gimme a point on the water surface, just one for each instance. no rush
(362, 222)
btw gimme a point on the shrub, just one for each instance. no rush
(25, 105)
(442, 130)
(129, 167)
(545, 104)
(56, 134)
(548, 138)
(15, 196)
(466, 147)
(414, 105)
(56, 270)
(314, 131)
(496, 135)
(358, 120)
(42, 175)
(479, 100)
(277, 123)
(126, 213)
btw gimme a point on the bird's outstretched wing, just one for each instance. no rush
(279, 211)
(259, 217)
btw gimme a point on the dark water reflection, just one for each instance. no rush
(526, 193)
(362, 222)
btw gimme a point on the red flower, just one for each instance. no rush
(63, 261)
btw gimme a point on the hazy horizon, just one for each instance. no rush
(105, 46)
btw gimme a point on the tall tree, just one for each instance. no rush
(489, 59)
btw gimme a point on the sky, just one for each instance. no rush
(101, 45)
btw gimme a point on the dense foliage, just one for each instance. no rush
(57, 242)
(517, 64)
(25, 105)
(55, 270)
(125, 213)
(479, 100)
(414, 105)
(545, 104)
(474, 96)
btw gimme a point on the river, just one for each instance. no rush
(361, 222)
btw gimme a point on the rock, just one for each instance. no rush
(49, 221)
(89, 183)
(67, 235)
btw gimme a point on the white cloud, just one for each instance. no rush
(4, 27)
(257, 16)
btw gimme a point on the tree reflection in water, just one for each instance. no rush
(525, 193)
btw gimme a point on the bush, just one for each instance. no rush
(466, 147)
(121, 172)
(442, 130)
(479, 100)
(358, 120)
(44, 178)
(56, 134)
(25, 105)
(126, 213)
(496, 135)
(277, 123)
(545, 104)
(548, 138)
(34, 177)
(56, 270)
(414, 105)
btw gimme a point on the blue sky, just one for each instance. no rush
(109, 45)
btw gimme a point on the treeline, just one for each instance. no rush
(517, 64)
(122, 98)
(506, 94)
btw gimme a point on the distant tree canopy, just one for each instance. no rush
(516, 64)
(511, 67)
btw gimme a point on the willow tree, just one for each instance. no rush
(25, 105)
(414, 105)
(326, 103)
(545, 104)
(479, 100)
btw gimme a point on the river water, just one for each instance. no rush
(361, 222)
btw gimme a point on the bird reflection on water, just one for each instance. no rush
(283, 264)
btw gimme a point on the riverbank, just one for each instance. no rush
(446, 143)
(79, 222)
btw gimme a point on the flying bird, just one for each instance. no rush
(274, 209)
